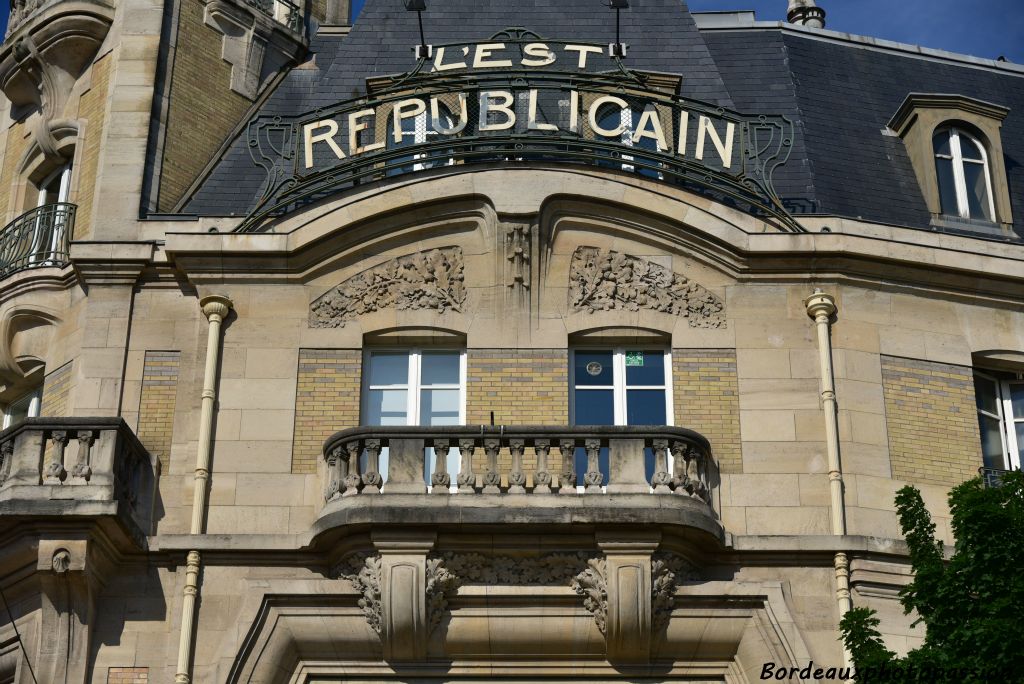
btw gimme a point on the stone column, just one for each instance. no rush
(628, 622)
(108, 272)
(404, 626)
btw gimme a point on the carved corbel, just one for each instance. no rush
(69, 579)
(44, 57)
(618, 590)
(255, 45)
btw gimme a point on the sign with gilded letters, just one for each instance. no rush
(517, 99)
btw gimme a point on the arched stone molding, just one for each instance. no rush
(36, 164)
(707, 629)
(26, 335)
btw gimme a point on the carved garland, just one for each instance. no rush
(364, 573)
(432, 279)
(603, 281)
(667, 571)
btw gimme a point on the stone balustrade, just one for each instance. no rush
(89, 466)
(682, 464)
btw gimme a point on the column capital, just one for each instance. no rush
(215, 305)
(820, 303)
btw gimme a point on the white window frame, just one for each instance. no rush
(959, 177)
(1007, 421)
(41, 252)
(34, 397)
(413, 388)
(619, 387)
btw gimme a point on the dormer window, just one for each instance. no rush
(962, 169)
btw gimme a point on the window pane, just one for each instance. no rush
(645, 368)
(977, 191)
(387, 407)
(986, 397)
(941, 143)
(439, 407)
(991, 443)
(440, 368)
(969, 149)
(947, 186)
(389, 368)
(645, 407)
(1017, 399)
(594, 368)
(595, 407)
(1020, 443)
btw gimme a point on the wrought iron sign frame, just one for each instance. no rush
(761, 142)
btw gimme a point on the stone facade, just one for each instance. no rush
(200, 499)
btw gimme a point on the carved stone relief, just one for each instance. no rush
(591, 584)
(432, 279)
(363, 571)
(667, 571)
(606, 280)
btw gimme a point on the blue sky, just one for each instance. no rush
(984, 28)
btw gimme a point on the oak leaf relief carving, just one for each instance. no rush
(432, 279)
(607, 280)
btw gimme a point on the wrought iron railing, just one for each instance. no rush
(520, 460)
(992, 477)
(37, 238)
(281, 11)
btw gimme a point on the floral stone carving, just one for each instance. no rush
(667, 571)
(592, 586)
(603, 281)
(432, 279)
(363, 571)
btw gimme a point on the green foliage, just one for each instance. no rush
(972, 606)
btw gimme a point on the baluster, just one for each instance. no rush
(593, 479)
(350, 479)
(467, 478)
(542, 478)
(372, 481)
(492, 478)
(6, 457)
(517, 478)
(567, 478)
(441, 479)
(334, 476)
(83, 467)
(696, 485)
(661, 481)
(679, 467)
(56, 468)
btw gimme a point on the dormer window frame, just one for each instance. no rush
(959, 161)
(919, 119)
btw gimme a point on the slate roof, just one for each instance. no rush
(840, 94)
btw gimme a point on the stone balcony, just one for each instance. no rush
(592, 475)
(77, 468)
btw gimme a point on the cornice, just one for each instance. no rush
(917, 101)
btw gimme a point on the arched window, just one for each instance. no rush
(965, 182)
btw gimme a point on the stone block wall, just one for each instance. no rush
(203, 108)
(326, 400)
(705, 393)
(17, 142)
(156, 405)
(933, 425)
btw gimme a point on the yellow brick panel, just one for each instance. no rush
(128, 675)
(92, 107)
(157, 401)
(932, 421)
(203, 108)
(56, 386)
(326, 400)
(16, 145)
(705, 392)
